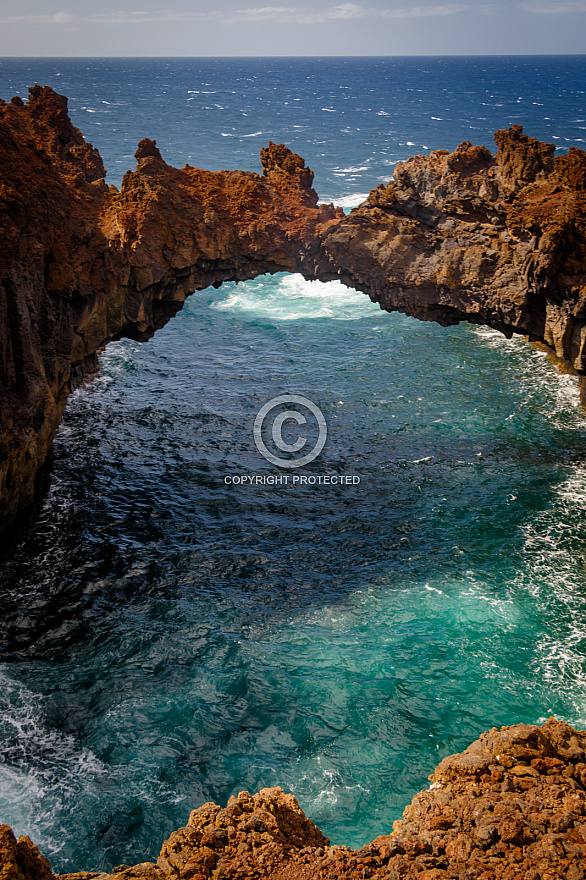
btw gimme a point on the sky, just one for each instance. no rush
(231, 27)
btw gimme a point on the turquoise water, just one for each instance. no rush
(168, 639)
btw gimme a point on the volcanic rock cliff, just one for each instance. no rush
(82, 263)
(511, 807)
(498, 240)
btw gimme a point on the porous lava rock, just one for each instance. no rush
(510, 807)
(21, 860)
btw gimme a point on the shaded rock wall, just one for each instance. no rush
(513, 805)
(82, 264)
(498, 240)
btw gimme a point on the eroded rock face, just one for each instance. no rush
(497, 240)
(21, 860)
(82, 264)
(52, 194)
(513, 805)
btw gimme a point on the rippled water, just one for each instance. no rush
(169, 639)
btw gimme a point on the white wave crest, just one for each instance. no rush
(292, 298)
(41, 769)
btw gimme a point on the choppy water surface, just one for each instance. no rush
(168, 639)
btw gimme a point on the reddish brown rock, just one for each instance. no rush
(512, 806)
(467, 236)
(497, 240)
(21, 860)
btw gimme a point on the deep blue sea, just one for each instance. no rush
(167, 638)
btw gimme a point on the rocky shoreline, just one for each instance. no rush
(491, 239)
(510, 807)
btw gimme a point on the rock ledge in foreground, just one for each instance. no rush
(512, 806)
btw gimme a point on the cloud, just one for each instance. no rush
(280, 14)
(297, 14)
(55, 18)
(564, 7)
(345, 11)
(140, 17)
(422, 11)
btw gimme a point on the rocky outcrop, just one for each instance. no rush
(498, 240)
(21, 860)
(511, 807)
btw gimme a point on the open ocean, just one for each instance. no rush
(167, 639)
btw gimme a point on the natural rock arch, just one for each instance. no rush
(497, 240)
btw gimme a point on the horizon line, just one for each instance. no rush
(275, 57)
